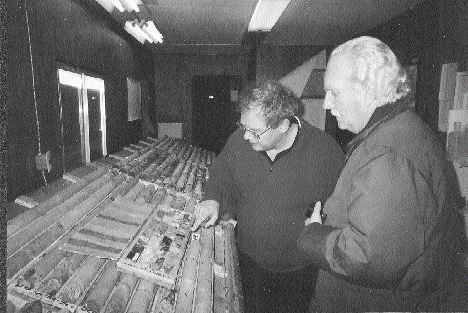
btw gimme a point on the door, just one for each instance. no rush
(214, 113)
(96, 117)
(82, 106)
(70, 98)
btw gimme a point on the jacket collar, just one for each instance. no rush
(380, 115)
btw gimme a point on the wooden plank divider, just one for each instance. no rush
(219, 284)
(29, 216)
(51, 235)
(69, 220)
(124, 188)
(235, 298)
(166, 172)
(142, 298)
(40, 269)
(44, 243)
(74, 289)
(164, 301)
(158, 196)
(97, 296)
(59, 276)
(130, 149)
(188, 282)
(204, 291)
(26, 254)
(25, 235)
(179, 203)
(121, 294)
(168, 199)
(135, 191)
(146, 195)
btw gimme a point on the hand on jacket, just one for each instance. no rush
(207, 210)
(315, 217)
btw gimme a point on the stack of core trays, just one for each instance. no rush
(167, 173)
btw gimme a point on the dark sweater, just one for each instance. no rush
(269, 199)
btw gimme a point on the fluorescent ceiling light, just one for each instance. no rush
(133, 29)
(150, 29)
(266, 13)
(118, 5)
(130, 5)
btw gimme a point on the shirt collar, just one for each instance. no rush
(292, 120)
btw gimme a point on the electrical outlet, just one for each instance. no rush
(43, 162)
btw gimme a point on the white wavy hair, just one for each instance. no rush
(376, 67)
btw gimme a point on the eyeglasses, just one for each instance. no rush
(245, 129)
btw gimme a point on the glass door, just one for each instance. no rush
(70, 99)
(82, 106)
(96, 117)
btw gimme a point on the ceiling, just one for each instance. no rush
(219, 26)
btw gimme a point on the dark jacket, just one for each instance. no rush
(393, 231)
(269, 199)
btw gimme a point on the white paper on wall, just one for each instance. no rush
(465, 101)
(462, 173)
(457, 134)
(461, 90)
(444, 107)
(446, 93)
(447, 81)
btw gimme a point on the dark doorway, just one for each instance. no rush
(214, 110)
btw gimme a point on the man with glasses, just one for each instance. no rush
(269, 172)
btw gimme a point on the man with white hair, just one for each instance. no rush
(393, 236)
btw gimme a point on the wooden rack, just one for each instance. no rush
(153, 172)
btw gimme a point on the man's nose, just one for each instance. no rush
(247, 135)
(327, 102)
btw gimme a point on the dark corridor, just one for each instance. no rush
(214, 110)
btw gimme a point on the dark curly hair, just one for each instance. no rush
(276, 101)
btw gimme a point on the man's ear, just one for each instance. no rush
(284, 125)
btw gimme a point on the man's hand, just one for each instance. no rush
(316, 217)
(207, 210)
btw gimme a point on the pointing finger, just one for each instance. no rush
(212, 220)
(199, 218)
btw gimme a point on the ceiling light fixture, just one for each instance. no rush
(266, 14)
(142, 30)
(150, 29)
(118, 5)
(131, 5)
(133, 29)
